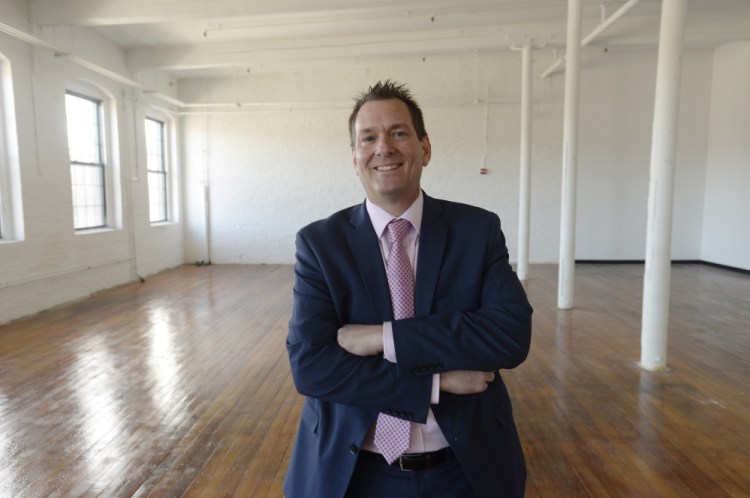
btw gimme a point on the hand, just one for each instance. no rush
(361, 340)
(465, 381)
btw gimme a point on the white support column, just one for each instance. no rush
(566, 277)
(524, 196)
(656, 283)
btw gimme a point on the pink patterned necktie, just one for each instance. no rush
(392, 434)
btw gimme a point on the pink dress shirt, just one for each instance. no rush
(424, 437)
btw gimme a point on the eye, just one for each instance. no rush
(367, 138)
(399, 134)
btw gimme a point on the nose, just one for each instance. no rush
(384, 147)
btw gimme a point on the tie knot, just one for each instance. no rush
(398, 228)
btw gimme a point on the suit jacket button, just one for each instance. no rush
(353, 449)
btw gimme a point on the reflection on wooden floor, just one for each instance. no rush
(180, 386)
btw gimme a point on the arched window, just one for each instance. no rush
(158, 160)
(92, 175)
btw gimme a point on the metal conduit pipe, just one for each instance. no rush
(107, 73)
(604, 26)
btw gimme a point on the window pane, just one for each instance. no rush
(157, 171)
(155, 145)
(88, 196)
(84, 126)
(157, 196)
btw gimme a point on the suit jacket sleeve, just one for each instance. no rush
(328, 293)
(479, 318)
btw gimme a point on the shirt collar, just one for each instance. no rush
(380, 217)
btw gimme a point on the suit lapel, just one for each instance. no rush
(432, 241)
(366, 252)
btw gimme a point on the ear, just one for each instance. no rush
(426, 150)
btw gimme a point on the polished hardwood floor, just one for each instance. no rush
(180, 386)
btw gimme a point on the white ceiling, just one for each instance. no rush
(196, 38)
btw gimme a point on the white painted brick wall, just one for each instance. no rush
(53, 264)
(271, 172)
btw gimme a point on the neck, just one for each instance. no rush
(396, 207)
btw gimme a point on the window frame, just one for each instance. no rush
(164, 172)
(4, 183)
(107, 135)
(11, 208)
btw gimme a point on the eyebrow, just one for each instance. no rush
(390, 128)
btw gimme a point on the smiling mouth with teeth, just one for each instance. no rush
(387, 167)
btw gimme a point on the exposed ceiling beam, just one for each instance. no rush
(196, 35)
(123, 12)
(120, 12)
(325, 48)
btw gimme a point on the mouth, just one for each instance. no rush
(387, 167)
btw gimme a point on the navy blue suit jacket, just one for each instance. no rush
(471, 313)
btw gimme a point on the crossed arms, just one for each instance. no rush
(335, 341)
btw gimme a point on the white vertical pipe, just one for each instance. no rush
(656, 283)
(207, 220)
(524, 208)
(206, 192)
(566, 277)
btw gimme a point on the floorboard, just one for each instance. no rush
(180, 386)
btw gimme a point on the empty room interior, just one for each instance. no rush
(157, 160)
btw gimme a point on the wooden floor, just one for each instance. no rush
(180, 386)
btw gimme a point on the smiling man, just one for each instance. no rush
(405, 311)
(389, 153)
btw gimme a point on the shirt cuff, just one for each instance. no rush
(389, 347)
(435, 397)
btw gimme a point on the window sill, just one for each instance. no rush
(159, 224)
(93, 231)
(4, 242)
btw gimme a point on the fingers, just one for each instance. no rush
(480, 380)
(484, 380)
(465, 381)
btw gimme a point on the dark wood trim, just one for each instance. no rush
(674, 262)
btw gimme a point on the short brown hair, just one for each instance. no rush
(384, 90)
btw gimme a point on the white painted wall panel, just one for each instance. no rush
(617, 102)
(271, 172)
(726, 229)
(264, 158)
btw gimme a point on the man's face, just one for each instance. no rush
(387, 155)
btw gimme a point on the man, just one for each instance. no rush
(399, 328)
